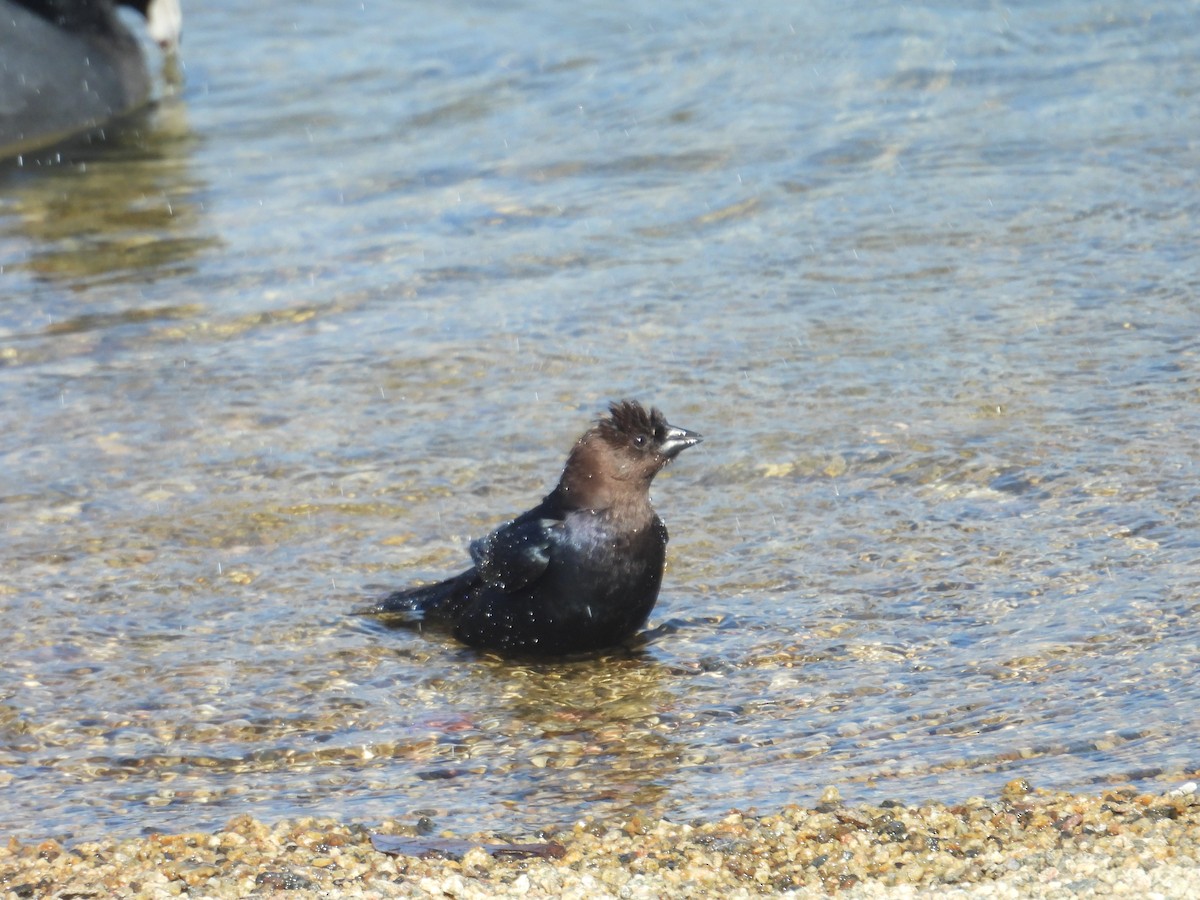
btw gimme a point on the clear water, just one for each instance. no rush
(925, 277)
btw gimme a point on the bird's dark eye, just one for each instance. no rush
(639, 440)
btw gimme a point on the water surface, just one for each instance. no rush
(925, 278)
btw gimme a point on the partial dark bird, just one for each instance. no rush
(67, 66)
(578, 572)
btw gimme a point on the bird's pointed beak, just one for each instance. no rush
(677, 440)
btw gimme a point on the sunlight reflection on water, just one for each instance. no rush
(923, 279)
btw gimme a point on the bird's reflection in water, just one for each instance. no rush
(566, 737)
(116, 205)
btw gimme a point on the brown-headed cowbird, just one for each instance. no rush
(578, 572)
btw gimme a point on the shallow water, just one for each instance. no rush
(924, 277)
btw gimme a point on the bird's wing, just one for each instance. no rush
(516, 554)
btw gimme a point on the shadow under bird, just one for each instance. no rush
(578, 572)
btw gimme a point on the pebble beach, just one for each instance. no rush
(1024, 843)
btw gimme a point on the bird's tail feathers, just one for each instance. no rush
(428, 602)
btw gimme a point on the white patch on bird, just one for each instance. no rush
(589, 611)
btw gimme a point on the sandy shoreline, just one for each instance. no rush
(1022, 844)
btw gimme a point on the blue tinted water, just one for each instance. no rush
(925, 278)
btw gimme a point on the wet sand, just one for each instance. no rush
(1025, 843)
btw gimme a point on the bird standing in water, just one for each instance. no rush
(67, 66)
(578, 572)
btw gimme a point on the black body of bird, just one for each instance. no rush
(578, 572)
